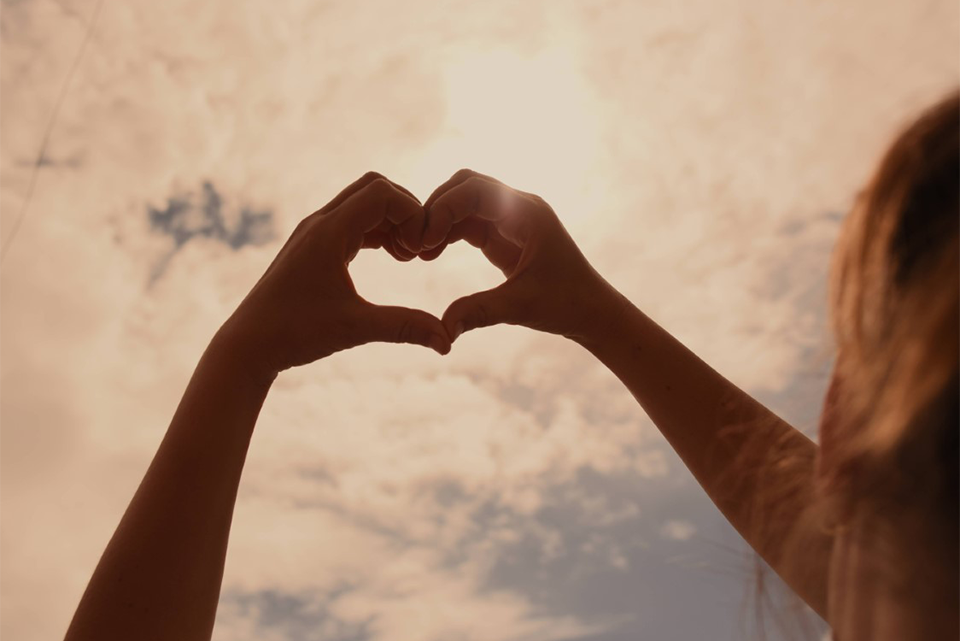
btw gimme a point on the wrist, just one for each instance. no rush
(607, 317)
(234, 355)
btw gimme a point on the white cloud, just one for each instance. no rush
(678, 530)
(690, 149)
(410, 601)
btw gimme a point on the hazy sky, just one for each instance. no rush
(702, 152)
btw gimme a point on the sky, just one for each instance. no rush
(702, 153)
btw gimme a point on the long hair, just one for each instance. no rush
(889, 438)
(895, 288)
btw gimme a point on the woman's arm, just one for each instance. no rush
(160, 575)
(755, 467)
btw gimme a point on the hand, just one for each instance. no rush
(305, 305)
(550, 285)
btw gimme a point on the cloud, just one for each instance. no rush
(513, 489)
(270, 615)
(410, 601)
(677, 530)
(187, 216)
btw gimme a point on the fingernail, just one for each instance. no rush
(439, 345)
(457, 330)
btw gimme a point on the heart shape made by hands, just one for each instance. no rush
(453, 213)
(517, 232)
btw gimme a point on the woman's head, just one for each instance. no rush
(891, 446)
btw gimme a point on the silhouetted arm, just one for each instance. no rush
(159, 578)
(755, 467)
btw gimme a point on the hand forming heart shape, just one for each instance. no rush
(305, 306)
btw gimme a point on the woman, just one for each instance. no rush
(863, 528)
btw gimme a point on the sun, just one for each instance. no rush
(532, 121)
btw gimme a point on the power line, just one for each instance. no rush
(24, 207)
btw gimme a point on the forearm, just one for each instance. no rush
(755, 467)
(160, 575)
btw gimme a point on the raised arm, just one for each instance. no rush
(755, 467)
(160, 575)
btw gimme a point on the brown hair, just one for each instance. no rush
(896, 317)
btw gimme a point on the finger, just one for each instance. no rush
(356, 186)
(365, 211)
(410, 232)
(453, 181)
(352, 189)
(510, 211)
(490, 307)
(398, 250)
(433, 254)
(440, 220)
(403, 325)
(345, 195)
(377, 240)
(455, 234)
(483, 235)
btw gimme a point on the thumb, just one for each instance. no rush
(404, 325)
(490, 307)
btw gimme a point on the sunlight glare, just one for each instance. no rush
(530, 121)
